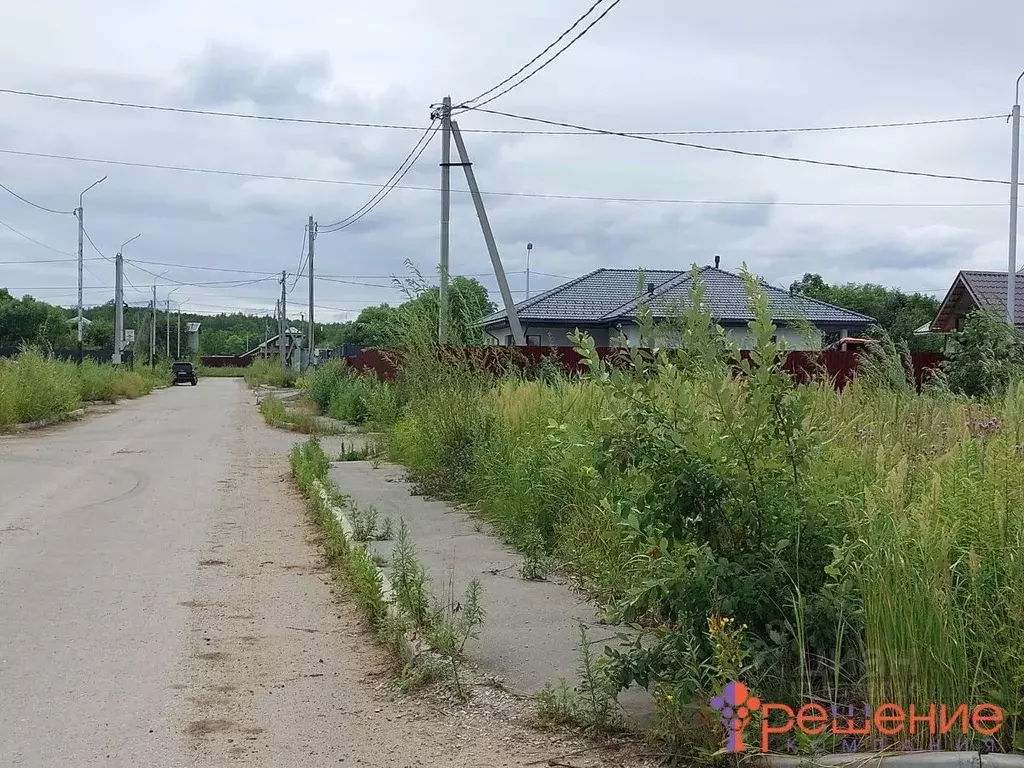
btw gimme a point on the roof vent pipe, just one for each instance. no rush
(718, 260)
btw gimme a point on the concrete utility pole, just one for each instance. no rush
(79, 214)
(309, 334)
(492, 248)
(178, 355)
(284, 319)
(152, 330)
(446, 206)
(529, 247)
(118, 308)
(119, 300)
(168, 344)
(1011, 272)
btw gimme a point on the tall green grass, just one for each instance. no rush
(33, 387)
(270, 373)
(866, 543)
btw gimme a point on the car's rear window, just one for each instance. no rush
(181, 367)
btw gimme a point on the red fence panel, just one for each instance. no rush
(225, 361)
(840, 366)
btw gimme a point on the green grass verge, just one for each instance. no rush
(35, 388)
(269, 373)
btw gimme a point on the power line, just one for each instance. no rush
(559, 53)
(534, 195)
(525, 66)
(37, 242)
(747, 153)
(404, 167)
(35, 205)
(314, 121)
(210, 269)
(302, 259)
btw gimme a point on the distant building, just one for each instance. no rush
(193, 336)
(270, 349)
(606, 304)
(973, 290)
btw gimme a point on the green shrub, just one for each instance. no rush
(33, 388)
(269, 373)
(845, 547)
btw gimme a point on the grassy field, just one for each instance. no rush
(856, 548)
(33, 388)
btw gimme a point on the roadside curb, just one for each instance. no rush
(31, 425)
(410, 650)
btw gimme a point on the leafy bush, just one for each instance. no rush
(845, 547)
(33, 387)
(986, 356)
(269, 373)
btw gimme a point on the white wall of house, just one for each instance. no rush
(548, 335)
(558, 336)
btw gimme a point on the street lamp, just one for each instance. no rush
(178, 354)
(81, 231)
(1011, 272)
(529, 247)
(152, 330)
(119, 301)
(169, 320)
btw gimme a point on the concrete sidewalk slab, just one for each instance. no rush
(531, 633)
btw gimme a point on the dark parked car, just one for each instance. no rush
(184, 372)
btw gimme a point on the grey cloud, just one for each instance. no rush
(223, 74)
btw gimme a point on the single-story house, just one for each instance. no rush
(605, 303)
(269, 349)
(973, 290)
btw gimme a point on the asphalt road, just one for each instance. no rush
(101, 526)
(163, 603)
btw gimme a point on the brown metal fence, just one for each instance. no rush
(838, 365)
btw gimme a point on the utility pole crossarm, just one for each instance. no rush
(492, 248)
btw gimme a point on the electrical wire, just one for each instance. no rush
(314, 121)
(567, 46)
(37, 242)
(35, 205)
(747, 153)
(94, 247)
(533, 195)
(302, 260)
(205, 268)
(526, 66)
(403, 168)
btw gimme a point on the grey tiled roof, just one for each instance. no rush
(612, 294)
(989, 289)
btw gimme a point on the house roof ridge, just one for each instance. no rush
(682, 276)
(533, 300)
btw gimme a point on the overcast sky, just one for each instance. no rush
(650, 65)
